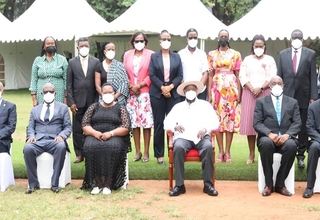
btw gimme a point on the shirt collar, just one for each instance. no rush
(53, 58)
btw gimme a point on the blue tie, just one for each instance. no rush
(278, 111)
(46, 116)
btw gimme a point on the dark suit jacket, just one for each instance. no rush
(303, 85)
(156, 73)
(59, 125)
(80, 88)
(313, 121)
(8, 121)
(265, 118)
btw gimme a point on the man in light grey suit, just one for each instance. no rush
(49, 127)
(81, 91)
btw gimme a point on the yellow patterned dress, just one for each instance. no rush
(224, 88)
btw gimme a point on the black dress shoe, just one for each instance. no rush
(301, 163)
(31, 190)
(210, 190)
(177, 190)
(283, 191)
(55, 189)
(79, 159)
(307, 193)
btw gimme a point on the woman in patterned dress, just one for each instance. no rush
(255, 73)
(136, 62)
(49, 67)
(225, 92)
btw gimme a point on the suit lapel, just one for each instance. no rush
(3, 106)
(271, 106)
(288, 61)
(283, 106)
(160, 63)
(143, 59)
(172, 61)
(80, 65)
(303, 56)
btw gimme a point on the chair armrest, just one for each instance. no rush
(213, 138)
(170, 139)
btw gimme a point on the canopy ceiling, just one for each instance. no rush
(277, 19)
(61, 19)
(176, 16)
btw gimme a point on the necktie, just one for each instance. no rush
(294, 62)
(278, 111)
(82, 65)
(47, 114)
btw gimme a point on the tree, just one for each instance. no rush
(12, 9)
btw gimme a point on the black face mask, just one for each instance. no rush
(51, 49)
(223, 42)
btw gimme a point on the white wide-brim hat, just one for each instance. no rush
(198, 84)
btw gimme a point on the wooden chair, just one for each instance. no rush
(191, 156)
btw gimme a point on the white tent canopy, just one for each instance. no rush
(176, 16)
(5, 25)
(277, 19)
(62, 19)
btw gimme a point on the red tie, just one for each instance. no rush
(294, 62)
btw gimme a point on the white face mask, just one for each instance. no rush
(110, 54)
(48, 97)
(191, 95)
(84, 51)
(296, 44)
(108, 98)
(276, 90)
(193, 43)
(258, 51)
(139, 46)
(166, 44)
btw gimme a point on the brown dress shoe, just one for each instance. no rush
(79, 159)
(283, 191)
(267, 191)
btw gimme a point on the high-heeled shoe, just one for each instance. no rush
(137, 158)
(228, 158)
(250, 161)
(220, 158)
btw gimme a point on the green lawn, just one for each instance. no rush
(238, 170)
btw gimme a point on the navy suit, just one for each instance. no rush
(8, 121)
(264, 122)
(301, 86)
(81, 92)
(161, 105)
(45, 133)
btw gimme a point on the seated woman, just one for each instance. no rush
(106, 126)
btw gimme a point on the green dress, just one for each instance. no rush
(53, 71)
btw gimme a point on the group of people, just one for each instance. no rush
(177, 91)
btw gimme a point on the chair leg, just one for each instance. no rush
(170, 170)
(214, 168)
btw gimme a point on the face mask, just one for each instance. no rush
(48, 98)
(258, 52)
(110, 54)
(165, 44)
(139, 46)
(191, 95)
(276, 90)
(51, 49)
(108, 98)
(296, 44)
(193, 43)
(223, 42)
(84, 51)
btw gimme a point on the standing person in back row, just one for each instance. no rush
(297, 68)
(81, 91)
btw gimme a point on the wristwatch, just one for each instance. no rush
(112, 134)
(172, 86)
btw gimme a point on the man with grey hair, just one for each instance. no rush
(49, 127)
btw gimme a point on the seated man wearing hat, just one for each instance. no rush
(192, 121)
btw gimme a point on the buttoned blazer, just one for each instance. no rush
(8, 121)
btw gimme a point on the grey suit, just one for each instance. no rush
(81, 92)
(8, 121)
(301, 86)
(45, 133)
(264, 122)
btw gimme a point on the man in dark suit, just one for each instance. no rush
(81, 91)
(49, 127)
(313, 129)
(165, 71)
(277, 122)
(8, 121)
(297, 68)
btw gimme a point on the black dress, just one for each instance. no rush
(105, 161)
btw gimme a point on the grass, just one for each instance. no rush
(238, 170)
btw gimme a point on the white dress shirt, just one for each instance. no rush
(298, 56)
(193, 117)
(44, 109)
(85, 64)
(274, 101)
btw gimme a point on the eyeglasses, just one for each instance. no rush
(139, 41)
(45, 92)
(166, 39)
(190, 38)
